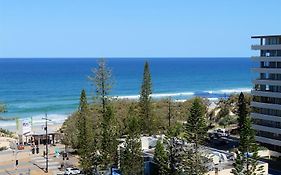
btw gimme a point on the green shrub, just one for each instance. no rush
(6, 132)
(228, 120)
(3, 148)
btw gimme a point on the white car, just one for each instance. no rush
(72, 171)
(222, 132)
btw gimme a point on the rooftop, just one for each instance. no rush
(265, 36)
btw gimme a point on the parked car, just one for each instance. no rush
(221, 132)
(72, 171)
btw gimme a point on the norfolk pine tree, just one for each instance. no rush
(102, 81)
(244, 163)
(175, 156)
(109, 142)
(196, 133)
(131, 156)
(85, 137)
(241, 111)
(161, 159)
(145, 102)
(169, 100)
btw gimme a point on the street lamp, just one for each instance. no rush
(46, 129)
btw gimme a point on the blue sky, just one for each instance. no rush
(128, 28)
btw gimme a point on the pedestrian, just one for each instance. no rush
(17, 163)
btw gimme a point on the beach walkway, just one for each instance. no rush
(30, 163)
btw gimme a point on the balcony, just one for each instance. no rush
(266, 47)
(267, 123)
(267, 82)
(266, 94)
(267, 129)
(269, 135)
(266, 117)
(259, 58)
(265, 105)
(267, 70)
(268, 141)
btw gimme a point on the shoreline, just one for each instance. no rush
(59, 118)
(38, 122)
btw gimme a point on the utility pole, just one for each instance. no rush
(169, 110)
(47, 141)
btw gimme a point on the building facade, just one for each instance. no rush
(266, 104)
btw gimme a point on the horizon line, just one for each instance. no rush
(121, 57)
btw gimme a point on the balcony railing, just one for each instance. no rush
(271, 79)
(267, 129)
(266, 47)
(266, 105)
(271, 125)
(268, 140)
(271, 136)
(267, 82)
(266, 58)
(269, 100)
(275, 118)
(267, 70)
(266, 93)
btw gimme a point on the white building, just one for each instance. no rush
(266, 104)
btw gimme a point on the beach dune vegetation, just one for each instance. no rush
(109, 119)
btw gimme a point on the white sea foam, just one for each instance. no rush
(5, 124)
(158, 95)
(213, 99)
(37, 120)
(179, 97)
(180, 101)
(238, 90)
(128, 97)
(229, 91)
(55, 118)
(173, 94)
(189, 94)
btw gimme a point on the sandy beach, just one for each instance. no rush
(5, 141)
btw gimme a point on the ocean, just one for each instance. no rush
(33, 87)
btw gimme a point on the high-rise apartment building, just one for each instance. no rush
(266, 104)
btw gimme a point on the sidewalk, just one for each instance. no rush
(32, 163)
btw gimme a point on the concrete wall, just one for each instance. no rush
(228, 171)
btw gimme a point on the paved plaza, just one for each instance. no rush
(33, 164)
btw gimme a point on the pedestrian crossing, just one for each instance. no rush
(41, 163)
(25, 167)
